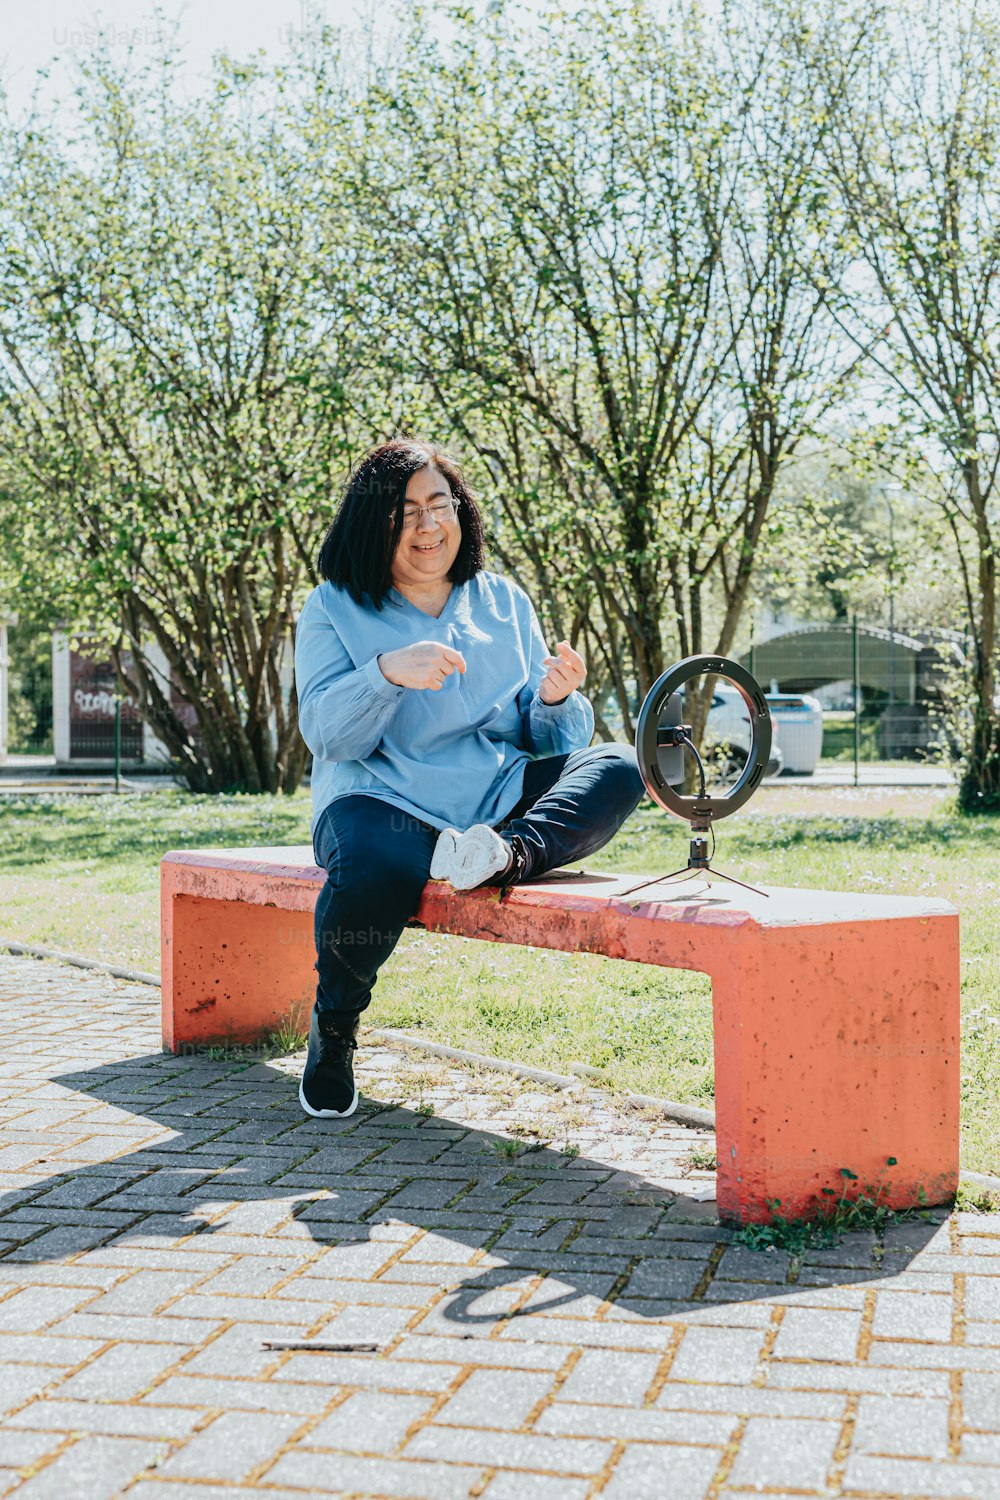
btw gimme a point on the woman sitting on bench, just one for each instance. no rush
(447, 743)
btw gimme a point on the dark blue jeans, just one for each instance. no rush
(377, 858)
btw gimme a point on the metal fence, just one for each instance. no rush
(29, 701)
(886, 694)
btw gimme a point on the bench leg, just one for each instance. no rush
(232, 971)
(837, 1067)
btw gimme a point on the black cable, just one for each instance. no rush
(685, 738)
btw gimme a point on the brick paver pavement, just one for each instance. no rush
(550, 1322)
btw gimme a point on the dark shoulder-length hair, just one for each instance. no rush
(358, 549)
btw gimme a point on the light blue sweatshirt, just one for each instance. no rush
(450, 758)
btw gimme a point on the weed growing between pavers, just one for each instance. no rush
(854, 1211)
(701, 1159)
(283, 1041)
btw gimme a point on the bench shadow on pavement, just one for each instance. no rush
(243, 1160)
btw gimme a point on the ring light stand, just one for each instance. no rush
(661, 742)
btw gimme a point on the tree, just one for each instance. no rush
(174, 384)
(594, 238)
(914, 159)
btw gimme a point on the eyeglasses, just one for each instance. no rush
(440, 511)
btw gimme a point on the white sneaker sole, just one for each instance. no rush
(476, 855)
(442, 860)
(328, 1114)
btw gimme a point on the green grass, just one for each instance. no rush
(81, 873)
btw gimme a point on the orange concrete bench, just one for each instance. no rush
(836, 1017)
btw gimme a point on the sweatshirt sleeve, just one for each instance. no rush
(343, 710)
(550, 728)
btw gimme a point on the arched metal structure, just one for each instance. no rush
(906, 667)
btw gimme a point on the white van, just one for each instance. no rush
(796, 726)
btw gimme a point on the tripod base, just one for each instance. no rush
(699, 867)
(704, 873)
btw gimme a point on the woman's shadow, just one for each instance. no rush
(201, 1153)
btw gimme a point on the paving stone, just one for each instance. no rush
(181, 1489)
(593, 1334)
(982, 1297)
(739, 1263)
(342, 1473)
(241, 1309)
(34, 1308)
(239, 1395)
(143, 1292)
(718, 1354)
(814, 1333)
(134, 1258)
(582, 1297)
(112, 1418)
(918, 1355)
(122, 1372)
(466, 1350)
(912, 1427)
(778, 1451)
(896, 1476)
(510, 1450)
(23, 1448)
(748, 1401)
(981, 1401)
(350, 1262)
(370, 1422)
(358, 1293)
(574, 1420)
(535, 1487)
(232, 1446)
(857, 1378)
(375, 1324)
(611, 1377)
(95, 1467)
(664, 1279)
(912, 1315)
(436, 1248)
(722, 1313)
(46, 1349)
(378, 1373)
(18, 1383)
(981, 1448)
(496, 1398)
(653, 1473)
(133, 1329)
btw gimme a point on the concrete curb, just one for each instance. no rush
(683, 1114)
(981, 1179)
(29, 950)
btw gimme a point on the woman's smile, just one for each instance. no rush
(430, 546)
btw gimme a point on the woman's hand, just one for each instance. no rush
(565, 674)
(425, 665)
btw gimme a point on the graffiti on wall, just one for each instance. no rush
(92, 712)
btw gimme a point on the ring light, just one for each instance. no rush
(662, 740)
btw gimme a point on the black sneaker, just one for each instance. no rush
(327, 1088)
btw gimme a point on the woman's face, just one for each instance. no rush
(425, 551)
